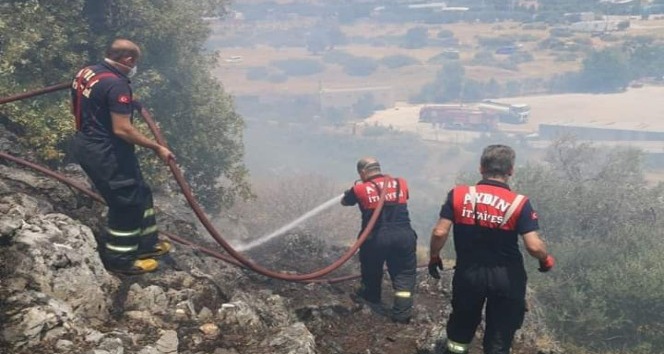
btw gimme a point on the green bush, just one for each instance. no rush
(526, 37)
(365, 106)
(277, 78)
(299, 67)
(610, 38)
(535, 26)
(377, 130)
(445, 33)
(568, 56)
(444, 56)
(513, 88)
(338, 57)
(416, 37)
(256, 73)
(360, 66)
(485, 58)
(583, 41)
(561, 32)
(551, 43)
(601, 220)
(398, 60)
(520, 57)
(496, 42)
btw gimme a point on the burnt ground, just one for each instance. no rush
(342, 325)
(349, 327)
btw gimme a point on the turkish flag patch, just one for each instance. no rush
(124, 99)
(533, 215)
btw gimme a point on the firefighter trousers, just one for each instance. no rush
(503, 290)
(131, 226)
(394, 245)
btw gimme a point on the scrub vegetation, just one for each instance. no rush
(604, 223)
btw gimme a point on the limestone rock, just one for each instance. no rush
(295, 339)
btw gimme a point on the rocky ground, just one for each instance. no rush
(56, 297)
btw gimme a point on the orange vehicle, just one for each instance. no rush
(459, 117)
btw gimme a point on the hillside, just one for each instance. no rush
(252, 40)
(56, 296)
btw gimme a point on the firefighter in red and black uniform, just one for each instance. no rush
(487, 220)
(103, 105)
(392, 240)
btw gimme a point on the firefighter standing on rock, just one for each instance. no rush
(392, 240)
(104, 143)
(487, 219)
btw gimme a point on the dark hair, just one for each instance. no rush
(116, 52)
(497, 161)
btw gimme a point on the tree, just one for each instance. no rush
(196, 115)
(448, 84)
(325, 37)
(316, 42)
(365, 106)
(416, 37)
(398, 60)
(644, 57)
(336, 37)
(39, 49)
(604, 71)
(492, 88)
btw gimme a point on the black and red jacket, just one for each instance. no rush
(367, 194)
(487, 222)
(97, 91)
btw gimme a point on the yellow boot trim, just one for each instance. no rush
(160, 249)
(146, 265)
(403, 294)
(140, 266)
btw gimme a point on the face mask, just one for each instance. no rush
(132, 71)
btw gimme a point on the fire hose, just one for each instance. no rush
(45, 90)
(236, 258)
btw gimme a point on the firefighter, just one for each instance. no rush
(487, 220)
(391, 241)
(103, 145)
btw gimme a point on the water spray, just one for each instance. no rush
(282, 230)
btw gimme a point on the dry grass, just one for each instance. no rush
(408, 80)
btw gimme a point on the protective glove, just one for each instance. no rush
(435, 264)
(546, 264)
